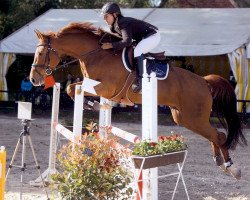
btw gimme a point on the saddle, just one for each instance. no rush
(128, 61)
(128, 57)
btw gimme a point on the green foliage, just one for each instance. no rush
(93, 169)
(16, 13)
(165, 144)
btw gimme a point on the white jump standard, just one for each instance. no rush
(149, 130)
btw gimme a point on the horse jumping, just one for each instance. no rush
(190, 97)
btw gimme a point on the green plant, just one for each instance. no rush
(93, 169)
(165, 144)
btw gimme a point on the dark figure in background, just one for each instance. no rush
(66, 100)
(26, 87)
(43, 98)
(190, 68)
(232, 80)
(78, 79)
(69, 81)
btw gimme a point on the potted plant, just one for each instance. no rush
(168, 150)
(93, 170)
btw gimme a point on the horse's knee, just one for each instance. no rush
(177, 117)
(71, 90)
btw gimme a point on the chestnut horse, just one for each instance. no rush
(190, 97)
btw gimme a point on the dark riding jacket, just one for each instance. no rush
(131, 29)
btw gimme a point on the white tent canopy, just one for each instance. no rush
(185, 32)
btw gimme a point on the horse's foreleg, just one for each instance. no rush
(176, 114)
(71, 89)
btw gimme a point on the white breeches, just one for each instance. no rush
(147, 44)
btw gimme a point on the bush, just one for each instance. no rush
(93, 169)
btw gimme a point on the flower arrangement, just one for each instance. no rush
(165, 144)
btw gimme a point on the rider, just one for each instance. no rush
(130, 29)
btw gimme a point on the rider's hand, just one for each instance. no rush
(106, 46)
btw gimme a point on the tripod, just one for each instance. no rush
(23, 139)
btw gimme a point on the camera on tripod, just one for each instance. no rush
(24, 112)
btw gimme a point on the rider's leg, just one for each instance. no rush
(139, 72)
(143, 47)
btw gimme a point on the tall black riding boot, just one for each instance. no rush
(139, 73)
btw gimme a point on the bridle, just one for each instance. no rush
(47, 68)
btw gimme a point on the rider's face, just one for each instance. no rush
(109, 18)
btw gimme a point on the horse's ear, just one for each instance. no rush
(38, 34)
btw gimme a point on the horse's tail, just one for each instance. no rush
(224, 105)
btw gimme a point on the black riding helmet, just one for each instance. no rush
(110, 8)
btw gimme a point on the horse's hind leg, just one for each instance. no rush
(217, 140)
(219, 160)
(228, 164)
(177, 116)
(217, 155)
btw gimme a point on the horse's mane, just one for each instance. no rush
(77, 28)
(85, 27)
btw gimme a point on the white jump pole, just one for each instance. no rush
(53, 138)
(104, 116)
(78, 112)
(65, 132)
(56, 127)
(124, 135)
(149, 129)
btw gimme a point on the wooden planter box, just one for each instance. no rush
(158, 160)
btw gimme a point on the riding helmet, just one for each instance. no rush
(110, 8)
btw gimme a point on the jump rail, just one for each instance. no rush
(149, 128)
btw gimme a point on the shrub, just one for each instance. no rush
(93, 169)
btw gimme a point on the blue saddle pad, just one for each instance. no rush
(160, 68)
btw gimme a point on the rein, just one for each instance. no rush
(76, 59)
(47, 67)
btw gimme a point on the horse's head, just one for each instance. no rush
(78, 40)
(45, 60)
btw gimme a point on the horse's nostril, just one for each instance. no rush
(33, 80)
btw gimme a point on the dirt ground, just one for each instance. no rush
(204, 180)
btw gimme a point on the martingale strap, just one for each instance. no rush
(122, 95)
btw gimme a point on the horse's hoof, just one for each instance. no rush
(105, 106)
(236, 173)
(218, 160)
(224, 168)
